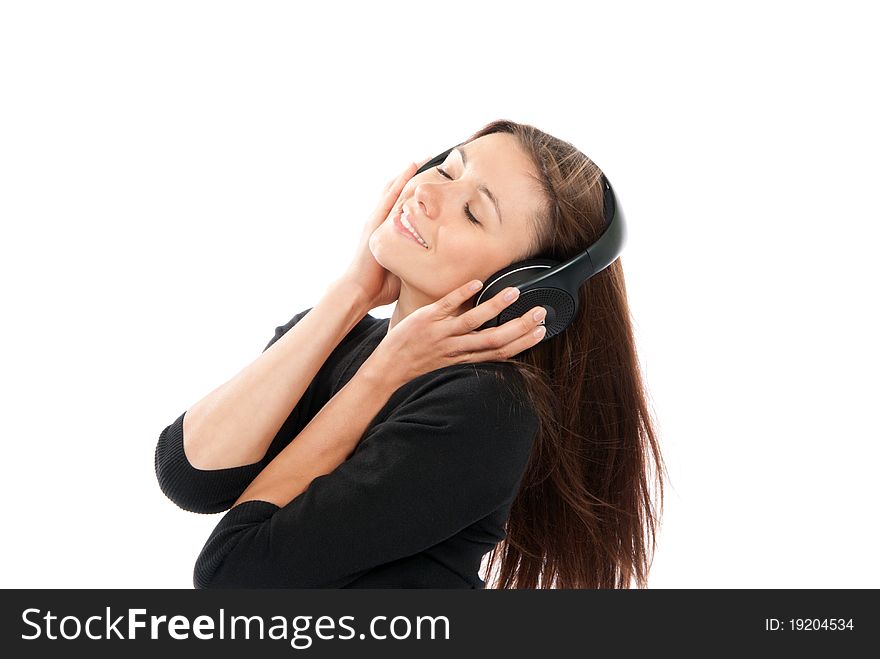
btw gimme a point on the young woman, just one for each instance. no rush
(358, 452)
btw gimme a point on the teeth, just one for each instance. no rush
(405, 222)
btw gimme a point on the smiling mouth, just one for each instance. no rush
(402, 217)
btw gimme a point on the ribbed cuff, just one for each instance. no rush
(197, 490)
(229, 531)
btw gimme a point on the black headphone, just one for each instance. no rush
(547, 282)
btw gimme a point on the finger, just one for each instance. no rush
(405, 175)
(504, 353)
(447, 305)
(392, 193)
(475, 318)
(502, 342)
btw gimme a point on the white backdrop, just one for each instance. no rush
(179, 178)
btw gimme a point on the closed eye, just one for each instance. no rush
(467, 208)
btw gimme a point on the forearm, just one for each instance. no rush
(235, 424)
(327, 441)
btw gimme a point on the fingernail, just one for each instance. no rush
(540, 331)
(511, 294)
(475, 285)
(539, 314)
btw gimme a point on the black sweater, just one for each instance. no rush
(424, 496)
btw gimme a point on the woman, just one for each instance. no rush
(359, 452)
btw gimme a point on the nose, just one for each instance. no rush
(431, 198)
(424, 198)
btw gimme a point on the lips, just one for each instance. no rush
(409, 218)
(402, 230)
(398, 223)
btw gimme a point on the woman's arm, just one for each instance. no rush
(450, 451)
(328, 439)
(215, 490)
(419, 344)
(235, 423)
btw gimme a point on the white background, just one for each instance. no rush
(179, 178)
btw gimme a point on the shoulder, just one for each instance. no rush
(464, 425)
(485, 403)
(363, 326)
(483, 386)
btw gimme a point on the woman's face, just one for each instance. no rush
(458, 249)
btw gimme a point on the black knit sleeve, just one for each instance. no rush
(281, 330)
(215, 490)
(447, 450)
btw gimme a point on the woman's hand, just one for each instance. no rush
(378, 285)
(439, 335)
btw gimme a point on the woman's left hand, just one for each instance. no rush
(439, 334)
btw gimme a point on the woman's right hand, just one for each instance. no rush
(378, 285)
(447, 332)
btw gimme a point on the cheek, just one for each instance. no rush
(468, 252)
(470, 245)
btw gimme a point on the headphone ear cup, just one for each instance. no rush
(513, 275)
(560, 306)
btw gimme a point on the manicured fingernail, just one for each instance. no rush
(539, 314)
(475, 285)
(511, 294)
(540, 331)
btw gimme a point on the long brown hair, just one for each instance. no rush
(584, 515)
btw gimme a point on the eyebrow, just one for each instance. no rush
(482, 188)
